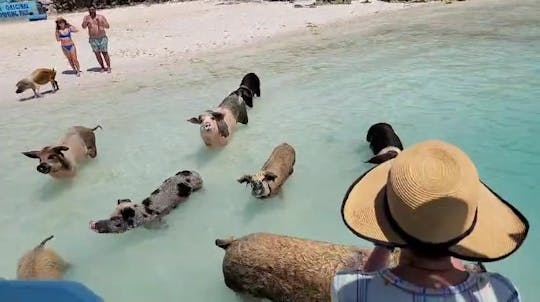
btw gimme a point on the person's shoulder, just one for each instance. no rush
(354, 272)
(347, 276)
(499, 279)
(501, 285)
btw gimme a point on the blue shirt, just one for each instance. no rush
(384, 286)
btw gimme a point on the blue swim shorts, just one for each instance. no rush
(99, 44)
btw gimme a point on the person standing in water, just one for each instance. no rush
(63, 35)
(98, 37)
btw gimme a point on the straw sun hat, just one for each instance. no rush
(431, 197)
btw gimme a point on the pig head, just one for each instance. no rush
(51, 159)
(60, 160)
(215, 131)
(260, 183)
(127, 215)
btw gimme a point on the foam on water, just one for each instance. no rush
(469, 76)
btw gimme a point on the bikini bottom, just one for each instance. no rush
(67, 47)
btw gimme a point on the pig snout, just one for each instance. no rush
(257, 189)
(99, 226)
(206, 126)
(44, 168)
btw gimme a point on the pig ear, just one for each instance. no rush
(122, 201)
(270, 176)
(183, 190)
(217, 115)
(59, 149)
(127, 213)
(245, 178)
(195, 120)
(31, 154)
(379, 159)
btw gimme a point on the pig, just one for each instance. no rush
(41, 263)
(384, 142)
(284, 268)
(218, 125)
(250, 86)
(39, 77)
(275, 171)
(60, 161)
(149, 213)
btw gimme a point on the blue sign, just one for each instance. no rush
(26, 9)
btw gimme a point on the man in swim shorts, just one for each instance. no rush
(97, 37)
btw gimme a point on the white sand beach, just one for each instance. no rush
(143, 37)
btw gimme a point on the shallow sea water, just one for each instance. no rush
(469, 75)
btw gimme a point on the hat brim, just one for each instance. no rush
(499, 231)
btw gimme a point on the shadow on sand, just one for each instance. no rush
(71, 72)
(34, 97)
(95, 69)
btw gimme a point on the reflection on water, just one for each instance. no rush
(467, 75)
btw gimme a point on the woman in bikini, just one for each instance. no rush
(63, 34)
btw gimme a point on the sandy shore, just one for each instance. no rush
(143, 37)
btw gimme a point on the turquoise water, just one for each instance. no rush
(466, 74)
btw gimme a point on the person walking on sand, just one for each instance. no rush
(63, 35)
(97, 37)
(430, 202)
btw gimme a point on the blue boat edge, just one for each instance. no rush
(46, 290)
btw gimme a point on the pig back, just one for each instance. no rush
(41, 263)
(283, 268)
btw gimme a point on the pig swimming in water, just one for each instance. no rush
(60, 161)
(284, 268)
(273, 174)
(149, 212)
(41, 263)
(218, 125)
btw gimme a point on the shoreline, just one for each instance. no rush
(159, 38)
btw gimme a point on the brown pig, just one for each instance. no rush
(60, 160)
(41, 263)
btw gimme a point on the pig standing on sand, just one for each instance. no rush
(60, 161)
(275, 171)
(217, 126)
(41, 263)
(283, 268)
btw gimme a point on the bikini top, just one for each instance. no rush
(68, 35)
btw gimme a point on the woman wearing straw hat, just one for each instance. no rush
(430, 202)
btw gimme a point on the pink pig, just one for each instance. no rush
(217, 126)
